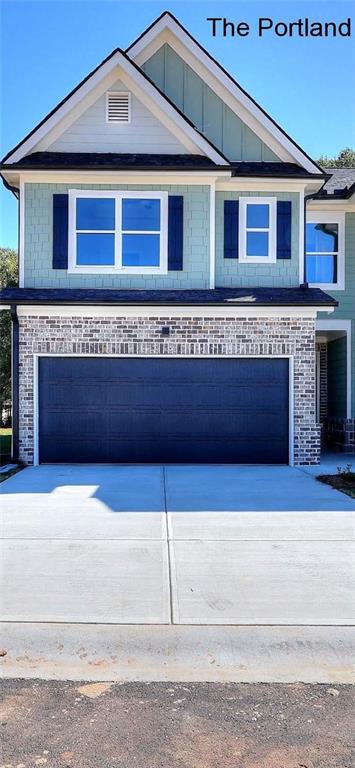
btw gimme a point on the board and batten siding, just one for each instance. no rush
(144, 134)
(229, 272)
(346, 298)
(39, 272)
(204, 108)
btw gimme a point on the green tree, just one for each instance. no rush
(8, 278)
(345, 159)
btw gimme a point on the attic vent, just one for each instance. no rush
(118, 107)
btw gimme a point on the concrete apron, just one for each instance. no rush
(178, 653)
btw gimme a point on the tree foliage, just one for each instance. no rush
(345, 159)
(8, 278)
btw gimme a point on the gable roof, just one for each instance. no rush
(148, 42)
(176, 121)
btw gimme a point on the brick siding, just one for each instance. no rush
(114, 335)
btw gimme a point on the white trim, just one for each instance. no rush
(35, 410)
(331, 205)
(341, 325)
(322, 217)
(270, 230)
(129, 111)
(118, 196)
(163, 310)
(301, 239)
(167, 30)
(21, 254)
(36, 357)
(212, 234)
(145, 92)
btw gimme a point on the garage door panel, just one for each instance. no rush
(163, 410)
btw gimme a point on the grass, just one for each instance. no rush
(343, 481)
(5, 441)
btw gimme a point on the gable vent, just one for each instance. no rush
(118, 107)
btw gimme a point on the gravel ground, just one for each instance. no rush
(162, 725)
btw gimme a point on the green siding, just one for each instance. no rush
(337, 378)
(229, 272)
(206, 110)
(346, 298)
(38, 242)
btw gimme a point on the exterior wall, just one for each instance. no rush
(38, 242)
(113, 335)
(229, 272)
(346, 298)
(91, 133)
(206, 110)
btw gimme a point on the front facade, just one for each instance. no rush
(187, 284)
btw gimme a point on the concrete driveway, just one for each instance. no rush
(176, 544)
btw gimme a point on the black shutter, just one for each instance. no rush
(284, 215)
(175, 232)
(231, 229)
(60, 232)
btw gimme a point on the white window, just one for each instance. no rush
(257, 230)
(118, 107)
(118, 232)
(325, 250)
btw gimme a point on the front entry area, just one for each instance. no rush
(163, 410)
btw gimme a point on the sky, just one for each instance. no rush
(306, 84)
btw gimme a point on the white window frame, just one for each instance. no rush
(322, 217)
(117, 267)
(243, 230)
(129, 100)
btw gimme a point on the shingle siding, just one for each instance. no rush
(229, 272)
(38, 241)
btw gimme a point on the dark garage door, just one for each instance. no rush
(163, 410)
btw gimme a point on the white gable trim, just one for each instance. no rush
(91, 90)
(167, 30)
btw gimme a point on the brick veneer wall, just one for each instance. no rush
(196, 336)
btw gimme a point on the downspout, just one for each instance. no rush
(304, 285)
(15, 384)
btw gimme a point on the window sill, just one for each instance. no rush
(328, 286)
(257, 260)
(117, 271)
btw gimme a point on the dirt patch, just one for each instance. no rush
(185, 725)
(342, 481)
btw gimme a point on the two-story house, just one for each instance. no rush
(180, 263)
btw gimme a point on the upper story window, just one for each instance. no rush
(325, 250)
(257, 230)
(118, 232)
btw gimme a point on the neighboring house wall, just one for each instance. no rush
(91, 133)
(346, 298)
(206, 110)
(202, 336)
(39, 232)
(229, 272)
